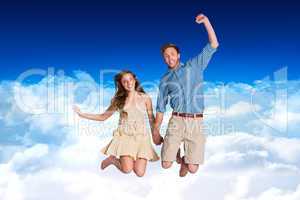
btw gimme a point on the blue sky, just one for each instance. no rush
(256, 37)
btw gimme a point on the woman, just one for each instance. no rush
(130, 148)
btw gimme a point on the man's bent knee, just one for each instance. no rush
(193, 168)
(166, 164)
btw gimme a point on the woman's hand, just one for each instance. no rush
(97, 117)
(76, 109)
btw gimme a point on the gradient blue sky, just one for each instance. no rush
(256, 37)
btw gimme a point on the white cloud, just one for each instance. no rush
(241, 108)
(29, 158)
(239, 166)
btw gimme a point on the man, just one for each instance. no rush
(182, 86)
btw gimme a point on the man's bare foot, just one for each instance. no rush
(178, 158)
(106, 162)
(183, 168)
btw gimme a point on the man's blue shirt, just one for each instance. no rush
(183, 86)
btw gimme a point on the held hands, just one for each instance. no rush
(156, 137)
(201, 18)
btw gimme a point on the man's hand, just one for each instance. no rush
(157, 139)
(201, 18)
(213, 40)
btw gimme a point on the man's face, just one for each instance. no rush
(171, 57)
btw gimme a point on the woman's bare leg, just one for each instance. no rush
(127, 164)
(111, 160)
(124, 164)
(140, 167)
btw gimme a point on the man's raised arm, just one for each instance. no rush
(210, 30)
(201, 61)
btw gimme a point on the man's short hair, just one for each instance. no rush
(165, 46)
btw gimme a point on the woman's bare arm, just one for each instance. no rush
(157, 139)
(149, 111)
(97, 117)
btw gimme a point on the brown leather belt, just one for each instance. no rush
(191, 115)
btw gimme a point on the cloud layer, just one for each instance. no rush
(47, 152)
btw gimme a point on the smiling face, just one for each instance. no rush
(171, 57)
(128, 82)
(125, 82)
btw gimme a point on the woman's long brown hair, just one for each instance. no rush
(121, 94)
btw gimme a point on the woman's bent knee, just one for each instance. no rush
(139, 173)
(126, 169)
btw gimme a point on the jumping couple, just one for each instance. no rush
(182, 86)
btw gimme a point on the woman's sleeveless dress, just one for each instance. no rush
(131, 138)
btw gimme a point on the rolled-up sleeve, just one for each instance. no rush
(201, 61)
(162, 98)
